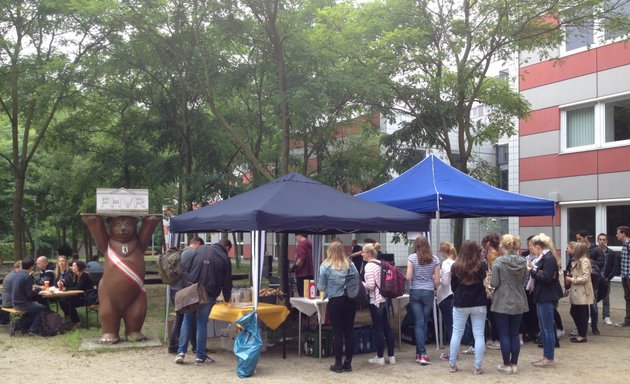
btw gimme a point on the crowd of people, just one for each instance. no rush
(22, 286)
(516, 294)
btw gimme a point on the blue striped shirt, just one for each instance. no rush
(422, 273)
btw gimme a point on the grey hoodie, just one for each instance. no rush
(508, 272)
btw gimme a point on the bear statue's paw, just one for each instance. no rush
(109, 338)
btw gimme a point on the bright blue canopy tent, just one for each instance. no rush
(435, 188)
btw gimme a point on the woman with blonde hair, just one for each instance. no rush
(509, 301)
(381, 330)
(444, 292)
(581, 293)
(423, 271)
(63, 273)
(332, 280)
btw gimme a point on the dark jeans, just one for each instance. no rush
(32, 319)
(625, 283)
(507, 328)
(593, 307)
(446, 308)
(69, 307)
(579, 313)
(529, 324)
(381, 331)
(342, 311)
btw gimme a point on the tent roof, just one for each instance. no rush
(432, 185)
(294, 203)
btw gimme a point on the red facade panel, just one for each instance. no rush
(553, 166)
(538, 221)
(552, 71)
(542, 120)
(579, 64)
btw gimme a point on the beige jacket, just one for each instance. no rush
(581, 291)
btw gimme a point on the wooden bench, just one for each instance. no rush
(15, 315)
(88, 309)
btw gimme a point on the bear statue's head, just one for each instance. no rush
(122, 228)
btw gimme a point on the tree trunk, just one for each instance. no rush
(18, 219)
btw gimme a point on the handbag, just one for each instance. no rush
(355, 289)
(189, 299)
(487, 284)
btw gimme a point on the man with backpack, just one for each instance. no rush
(211, 269)
(187, 257)
(22, 297)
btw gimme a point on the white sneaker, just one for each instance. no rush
(377, 360)
(560, 333)
(391, 360)
(469, 351)
(179, 359)
(493, 345)
(608, 321)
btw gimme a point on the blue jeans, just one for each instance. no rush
(547, 328)
(33, 316)
(508, 327)
(202, 329)
(478, 321)
(421, 302)
(382, 332)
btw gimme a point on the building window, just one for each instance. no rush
(623, 11)
(596, 125)
(502, 154)
(617, 114)
(580, 218)
(616, 215)
(579, 36)
(580, 127)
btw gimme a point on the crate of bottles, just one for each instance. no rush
(363, 342)
(310, 343)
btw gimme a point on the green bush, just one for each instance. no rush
(6, 251)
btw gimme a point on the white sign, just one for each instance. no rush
(132, 201)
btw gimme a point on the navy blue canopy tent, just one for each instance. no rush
(435, 188)
(296, 204)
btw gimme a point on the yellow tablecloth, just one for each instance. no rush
(270, 314)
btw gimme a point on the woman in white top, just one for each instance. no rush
(423, 271)
(382, 332)
(444, 292)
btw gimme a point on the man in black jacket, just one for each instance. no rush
(597, 266)
(212, 269)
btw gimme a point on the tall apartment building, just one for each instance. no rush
(575, 146)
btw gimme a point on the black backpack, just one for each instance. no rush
(169, 266)
(52, 323)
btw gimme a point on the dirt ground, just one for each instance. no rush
(605, 359)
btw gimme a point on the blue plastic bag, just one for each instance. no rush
(247, 345)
